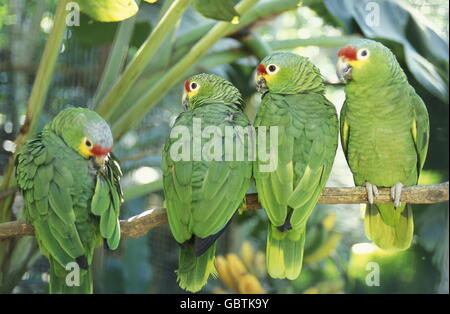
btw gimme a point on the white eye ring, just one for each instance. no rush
(194, 86)
(87, 142)
(272, 69)
(363, 54)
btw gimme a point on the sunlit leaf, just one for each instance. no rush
(222, 10)
(107, 10)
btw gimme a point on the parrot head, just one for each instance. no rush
(364, 59)
(209, 88)
(288, 73)
(85, 132)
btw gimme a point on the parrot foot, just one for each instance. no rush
(372, 191)
(396, 192)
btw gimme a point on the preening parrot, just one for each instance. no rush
(201, 194)
(293, 100)
(384, 134)
(72, 195)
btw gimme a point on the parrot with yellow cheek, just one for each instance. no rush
(72, 195)
(293, 100)
(203, 194)
(384, 134)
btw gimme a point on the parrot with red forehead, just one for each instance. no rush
(293, 100)
(72, 195)
(202, 193)
(384, 134)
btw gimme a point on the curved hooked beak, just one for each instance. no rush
(343, 70)
(185, 100)
(101, 154)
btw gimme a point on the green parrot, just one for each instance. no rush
(384, 134)
(293, 100)
(70, 185)
(203, 194)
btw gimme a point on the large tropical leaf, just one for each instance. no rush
(222, 10)
(107, 10)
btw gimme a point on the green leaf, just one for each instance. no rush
(107, 10)
(222, 10)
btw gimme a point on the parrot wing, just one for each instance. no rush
(420, 129)
(314, 151)
(46, 184)
(344, 128)
(177, 177)
(202, 196)
(219, 187)
(106, 201)
(274, 187)
(305, 157)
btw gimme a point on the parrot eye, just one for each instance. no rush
(363, 54)
(272, 69)
(88, 143)
(194, 86)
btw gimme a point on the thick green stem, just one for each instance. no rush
(151, 98)
(46, 68)
(116, 59)
(142, 58)
(34, 109)
(142, 189)
(255, 45)
(37, 98)
(262, 10)
(160, 63)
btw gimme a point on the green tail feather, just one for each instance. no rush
(389, 228)
(284, 256)
(193, 271)
(58, 283)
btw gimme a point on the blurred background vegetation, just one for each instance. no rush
(142, 106)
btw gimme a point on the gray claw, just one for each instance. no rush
(396, 192)
(372, 191)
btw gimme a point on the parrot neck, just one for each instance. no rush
(376, 95)
(376, 90)
(238, 105)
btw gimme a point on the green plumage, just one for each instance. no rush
(293, 101)
(384, 132)
(202, 196)
(72, 203)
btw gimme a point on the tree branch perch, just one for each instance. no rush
(139, 225)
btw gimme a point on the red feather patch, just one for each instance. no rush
(261, 70)
(348, 52)
(187, 86)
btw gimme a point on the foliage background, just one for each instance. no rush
(416, 30)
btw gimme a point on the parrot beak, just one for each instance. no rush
(100, 155)
(185, 101)
(343, 70)
(261, 84)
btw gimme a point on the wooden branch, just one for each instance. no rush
(139, 225)
(8, 192)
